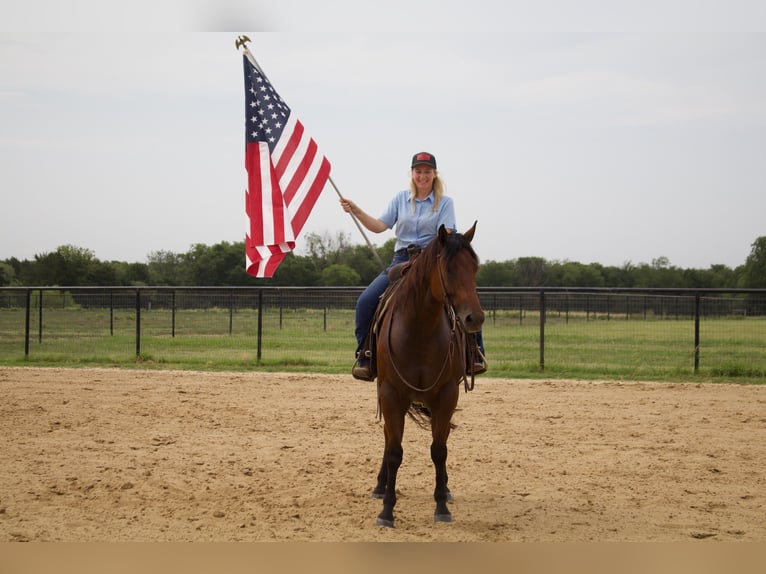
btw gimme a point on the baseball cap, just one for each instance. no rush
(424, 158)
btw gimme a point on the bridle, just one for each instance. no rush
(456, 324)
(457, 339)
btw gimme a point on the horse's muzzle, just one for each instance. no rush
(473, 321)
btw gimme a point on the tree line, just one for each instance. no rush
(334, 261)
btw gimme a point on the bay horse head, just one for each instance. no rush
(456, 285)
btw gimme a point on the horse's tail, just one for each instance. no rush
(421, 416)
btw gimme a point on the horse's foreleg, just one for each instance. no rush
(392, 460)
(441, 418)
(380, 487)
(441, 492)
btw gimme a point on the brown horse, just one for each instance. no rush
(421, 357)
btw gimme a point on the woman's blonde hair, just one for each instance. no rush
(438, 190)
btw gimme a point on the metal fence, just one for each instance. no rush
(575, 331)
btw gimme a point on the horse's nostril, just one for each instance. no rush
(475, 319)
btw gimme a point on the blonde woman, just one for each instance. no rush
(415, 215)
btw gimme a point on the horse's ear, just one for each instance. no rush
(442, 233)
(469, 234)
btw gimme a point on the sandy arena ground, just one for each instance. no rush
(116, 455)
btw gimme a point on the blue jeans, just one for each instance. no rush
(368, 302)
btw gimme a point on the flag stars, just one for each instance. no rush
(267, 112)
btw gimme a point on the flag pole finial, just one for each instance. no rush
(241, 41)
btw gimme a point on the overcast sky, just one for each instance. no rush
(593, 140)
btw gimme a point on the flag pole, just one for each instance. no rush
(241, 42)
(359, 226)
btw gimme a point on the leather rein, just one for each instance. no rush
(456, 325)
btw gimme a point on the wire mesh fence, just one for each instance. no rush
(559, 332)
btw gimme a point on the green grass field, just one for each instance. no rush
(731, 349)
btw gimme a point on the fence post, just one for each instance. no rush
(40, 317)
(231, 311)
(138, 322)
(26, 328)
(260, 324)
(696, 332)
(542, 329)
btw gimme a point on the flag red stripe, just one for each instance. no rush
(264, 265)
(273, 262)
(301, 214)
(254, 207)
(300, 172)
(277, 209)
(266, 207)
(290, 147)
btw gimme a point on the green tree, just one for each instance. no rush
(659, 274)
(619, 276)
(219, 264)
(531, 271)
(721, 276)
(496, 274)
(131, 274)
(361, 260)
(754, 273)
(326, 249)
(717, 276)
(166, 268)
(68, 265)
(339, 275)
(294, 270)
(575, 274)
(7, 274)
(102, 273)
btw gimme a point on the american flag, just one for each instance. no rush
(286, 173)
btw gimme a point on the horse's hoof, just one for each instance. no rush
(442, 518)
(384, 522)
(378, 495)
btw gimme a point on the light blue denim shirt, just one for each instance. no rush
(418, 226)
